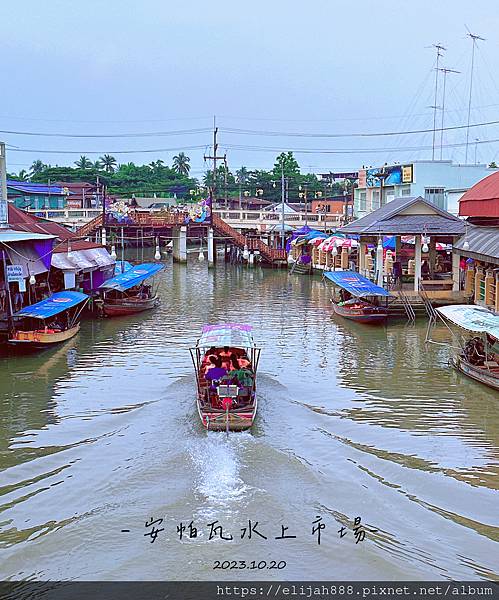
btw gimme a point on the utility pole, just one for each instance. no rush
(438, 48)
(4, 214)
(214, 158)
(474, 39)
(444, 70)
(283, 235)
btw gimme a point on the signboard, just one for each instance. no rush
(15, 272)
(407, 174)
(362, 178)
(330, 177)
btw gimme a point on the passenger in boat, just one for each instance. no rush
(243, 362)
(216, 372)
(227, 356)
(474, 351)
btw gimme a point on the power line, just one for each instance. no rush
(347, 135)
(76, 152)
(108, 135)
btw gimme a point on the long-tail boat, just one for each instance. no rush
(477, 356)
(127, 294)
(226, 396)
(51, 321)
(358, 298)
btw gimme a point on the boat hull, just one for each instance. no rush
(361, 315)
(214, 420)
(41, 339)
(489, 378)
(129, 306)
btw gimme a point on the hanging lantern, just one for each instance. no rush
(157, 254)
(201, 255)
(245, 252)
(32, 280)
(380, 244)
(424, 247)
(113, 253)
(466, 245)
(291, 260)
(335, 251)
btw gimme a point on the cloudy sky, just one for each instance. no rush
(313, 69)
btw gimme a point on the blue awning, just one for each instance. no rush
(122, 266)
(355, 283)
(54, 305)
(132, 277)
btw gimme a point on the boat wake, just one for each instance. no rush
(218, 462)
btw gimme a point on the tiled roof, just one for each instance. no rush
(388, 220)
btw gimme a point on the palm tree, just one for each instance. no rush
(98, 165)
(23, 175)
(242, 175)
(181, 164)
(83, 162)
(108, 162)
(37, 167)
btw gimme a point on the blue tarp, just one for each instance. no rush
(122, 266)
(355, 283)
(132, 277)
(54, 305)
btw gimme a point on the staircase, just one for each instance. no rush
(90, 227)
(269, 255)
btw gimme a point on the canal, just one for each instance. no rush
(101, 435)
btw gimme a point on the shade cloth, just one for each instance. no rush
(234, 335)
(132, 277)
(355, 284)
(472, 318)
(54, 305)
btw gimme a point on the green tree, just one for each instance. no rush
(23, 175)
(181, 164)
(242, 175)
(37, 167)
(98, 165)
(288, 161)
(493, 165)
(108, 162)
(83, 162)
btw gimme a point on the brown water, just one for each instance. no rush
(101, 435)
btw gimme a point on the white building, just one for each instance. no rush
(439, 181)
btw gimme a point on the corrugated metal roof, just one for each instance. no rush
(8, 235)
(483, 243)
(34, 188)
(387, 220)
(23, 221)
(481, 200)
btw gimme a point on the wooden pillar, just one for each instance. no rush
(489, 287)
(417, 267)
(496, 300)
(469, 282)
(362, 266)
(344, 259)
(398, 247)
(433, 254)
(478, 279)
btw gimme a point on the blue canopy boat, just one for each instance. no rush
(126, 294)
(51, 321)
(226, 359)
(478, 357)
(358, 298)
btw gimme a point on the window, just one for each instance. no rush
(436, 196)
(375, 200)
(362, 198)
(405, 191)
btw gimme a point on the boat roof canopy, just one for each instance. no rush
(472, 318)
(132, 277)
(355, 284)
(121, 266)
(234, 335)
(55, 304)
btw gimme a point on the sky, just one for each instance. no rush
(156, 74)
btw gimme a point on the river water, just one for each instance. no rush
(101, 435)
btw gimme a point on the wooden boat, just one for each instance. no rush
(478, 358)
(358, 298)
(360, 311)
(51, 321)
(126, 293)
(488, 374)
(228, 403)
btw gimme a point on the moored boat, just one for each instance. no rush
(51, 321)
(127, 294)
(478, 357)
(225, 360)
(358, 299)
